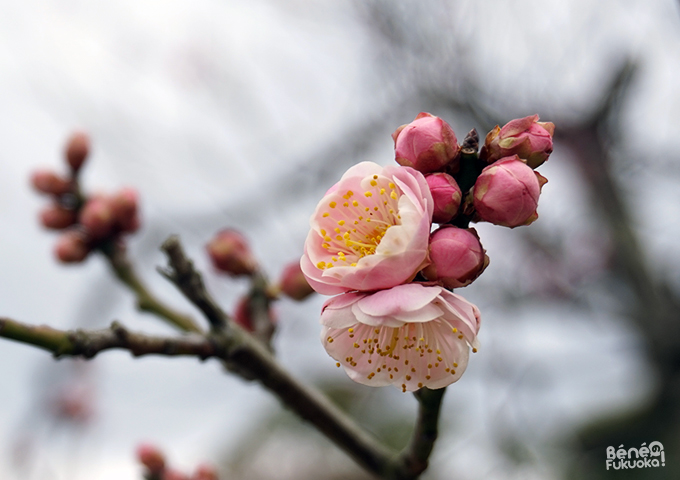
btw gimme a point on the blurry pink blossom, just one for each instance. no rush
(97, 217)
(72, 247)
(77, 150)
(457, 257)
(47, 181)
(411, 336)
(230, 253)
(506, 193)
(427, 144)
(151, 457)
(57, 217)
(293, 283)
(446, 195)
(526, 137)
(370, 231)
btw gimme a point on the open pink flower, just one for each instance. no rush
(370, 231)
(411, 336)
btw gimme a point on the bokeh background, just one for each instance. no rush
(242, 114)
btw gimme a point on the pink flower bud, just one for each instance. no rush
(124, 207)
(57, 217)
(427, 144)
(205, 472)
(151, 457)
(46, 181)
(293, 282)
(446, 195)
(457, 257)
(97, 217)
(230, 253)
(242, 315)
(506, 193)
(77, 150)
(173, 475)
(72, 247)
(525, 137)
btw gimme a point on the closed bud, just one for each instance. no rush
(152, 458)
(293, 283)
(205, 472)
(57, 217)
(72, 247)
(506, 193)
(174, 475)
(457, 257)
(97, 217)
(47, 181)
(526, 137)
(229, 252)
(242, 315)
(124, 207)
(77, 150)
(427, 144)
(446, 195)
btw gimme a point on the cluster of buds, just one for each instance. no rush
(156, 468)
(85, 222)
(372, 244)
(499, 186)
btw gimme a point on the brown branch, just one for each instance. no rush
(413, 460)
(88, 343)
(256, 362)
(190, 282)
(146, 301)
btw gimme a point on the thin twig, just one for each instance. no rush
(182, 273)
(146, 301)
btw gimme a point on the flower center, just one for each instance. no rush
(353, 227)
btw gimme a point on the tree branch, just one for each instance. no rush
(88, 343)
(146, 301)
(182, 273)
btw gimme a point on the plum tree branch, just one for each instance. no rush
(146, 300)
(250, 358)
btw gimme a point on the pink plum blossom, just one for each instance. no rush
(526, 137)
(370, 231)
(446, 195)
(506, 193)
(457, 257)
(411, 336)
(427, 144)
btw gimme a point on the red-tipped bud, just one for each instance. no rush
(293, 283)
(229, 252)
(57, 217)
(77, 150)
(152, 458)
(71, 247)
(242, 315)
(46, 181)
(446, 195)
(124, 206)
(457, 257)
(205, 472)
(174, 475)
(506, 193)
(97, 217)
(427, 144)
(526, 137)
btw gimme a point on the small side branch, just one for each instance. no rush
(182, 273)
(413, 460)
(146, 301)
